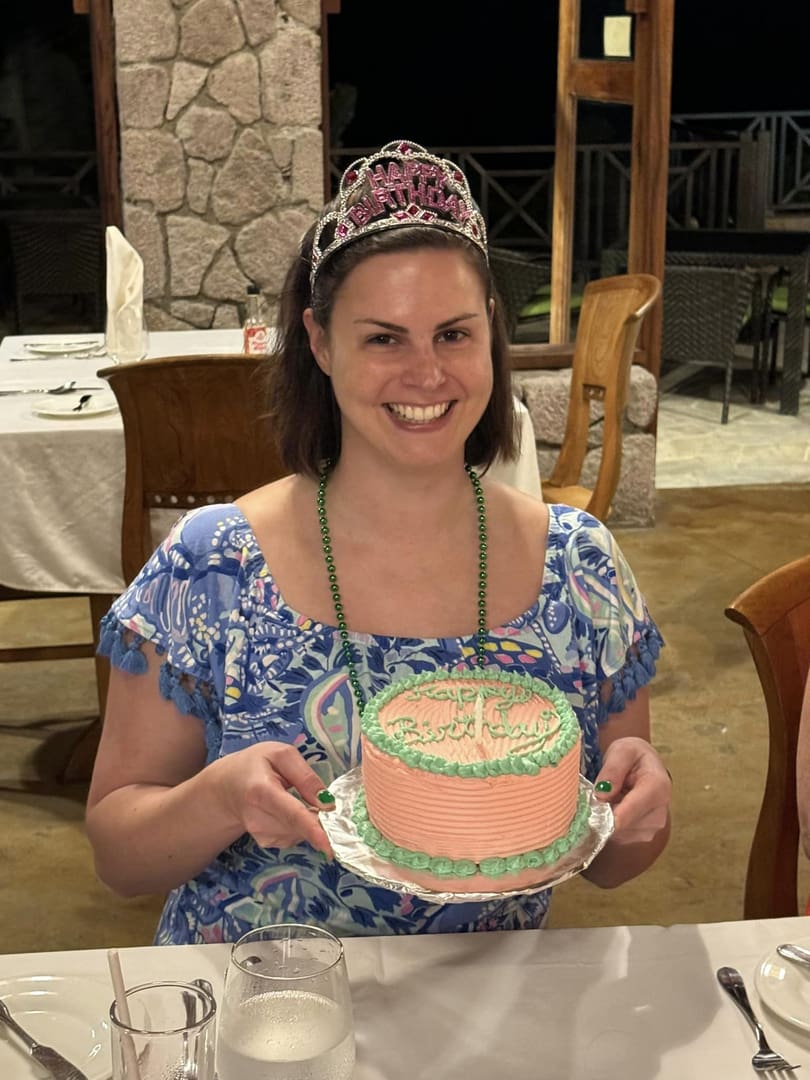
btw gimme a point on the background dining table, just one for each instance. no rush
(62, 479)
(615, 1003)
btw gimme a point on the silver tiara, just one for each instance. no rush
(402, 184)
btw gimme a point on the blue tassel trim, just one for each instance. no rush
(639, 668)
(121, 645)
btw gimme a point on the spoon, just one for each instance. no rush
(794, 952)
(83, 400)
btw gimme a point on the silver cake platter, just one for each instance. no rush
(356, 855)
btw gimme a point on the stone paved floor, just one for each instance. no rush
(757, 446)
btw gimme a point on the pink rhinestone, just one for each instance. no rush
(413, 210)
(404, 148)
(400, 215)
(458, 176)
(427, 215)
(351, 177)
(342, 230)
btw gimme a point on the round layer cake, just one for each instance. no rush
(471, 779)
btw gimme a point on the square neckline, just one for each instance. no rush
(360, 637)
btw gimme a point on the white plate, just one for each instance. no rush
(63, 348)
(67, 1012)
(784, 987)
(64, 407)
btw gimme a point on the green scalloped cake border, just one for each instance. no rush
(519, 764)
(494, 866)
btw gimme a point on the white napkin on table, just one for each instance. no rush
(125, 326)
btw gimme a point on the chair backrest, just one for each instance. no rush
(607, 332)
(517, 277)
(775, 616)
(194, 433)
(705, 308)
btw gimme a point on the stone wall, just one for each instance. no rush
(221, 148)
(546, 394)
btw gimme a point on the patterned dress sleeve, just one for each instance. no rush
(178, 603)
(626, 640)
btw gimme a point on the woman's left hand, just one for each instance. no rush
(640, 790)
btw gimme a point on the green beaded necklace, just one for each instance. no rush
(340, 618)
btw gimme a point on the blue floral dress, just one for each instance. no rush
(238, 659)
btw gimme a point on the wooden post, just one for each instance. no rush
(649, 171)
(328, 7)
(565, 156)
(105, 102)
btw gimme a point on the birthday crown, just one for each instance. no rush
(402, 184)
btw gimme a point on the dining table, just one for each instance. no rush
(62, 471)
(603, 1003)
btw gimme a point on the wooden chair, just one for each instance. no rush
(609, 323)
(194, 433)
(775, 616)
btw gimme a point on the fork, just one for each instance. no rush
(50, 1060)
(764, 1059)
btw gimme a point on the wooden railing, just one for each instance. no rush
(48, 179)
(726, 170)
(513, 187)
(788, 173)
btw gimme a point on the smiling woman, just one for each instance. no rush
(275, 619)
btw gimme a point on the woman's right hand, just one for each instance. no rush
(253, 787)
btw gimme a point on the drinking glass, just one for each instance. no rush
(286, 1009)
(127, 336)
(170, 1034)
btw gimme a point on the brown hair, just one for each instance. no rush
(302, 407)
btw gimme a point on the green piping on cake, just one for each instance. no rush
(493, 866)
(529, 762)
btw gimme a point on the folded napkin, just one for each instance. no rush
(125, 335)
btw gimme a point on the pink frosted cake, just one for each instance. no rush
(471, 779)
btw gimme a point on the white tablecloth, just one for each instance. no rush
(623, 1003)
(62, 481)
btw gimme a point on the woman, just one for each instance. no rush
(243, 653)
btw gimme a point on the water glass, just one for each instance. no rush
(170, 1034)
(127, 336)
(286, 1008)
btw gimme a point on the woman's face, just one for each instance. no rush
(408, 350)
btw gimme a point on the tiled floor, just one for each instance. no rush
(757, 446)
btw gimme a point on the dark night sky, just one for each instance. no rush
(484, 77)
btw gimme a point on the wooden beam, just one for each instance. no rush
(105, 103)
(649, 170)
(565, 161)
(81, 7)
(603, 80)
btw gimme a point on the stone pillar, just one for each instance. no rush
(221, 148)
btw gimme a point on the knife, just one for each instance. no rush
(61, 356)
(50, 1060)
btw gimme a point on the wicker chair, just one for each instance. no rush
(57, 253)
(705, 310)
(517, 277)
